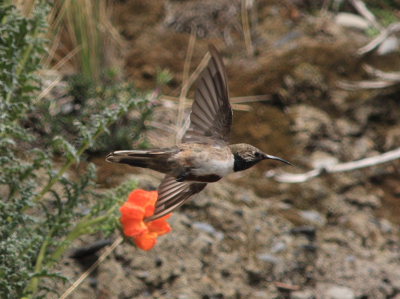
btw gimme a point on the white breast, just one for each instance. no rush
(218, 167)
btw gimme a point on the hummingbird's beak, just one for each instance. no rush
(277, 158)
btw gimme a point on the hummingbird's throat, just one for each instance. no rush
(240, 163)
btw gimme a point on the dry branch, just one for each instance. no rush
(367, 84)
(390, 76)
(340, 167)
(372, 45)
(385, 79)
(363, 10)
(101, 258)
(246, 5)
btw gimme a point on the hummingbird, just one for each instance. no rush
(204, 154)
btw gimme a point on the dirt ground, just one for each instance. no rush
(248, 236)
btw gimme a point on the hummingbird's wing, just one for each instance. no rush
(211, 117)
(172, 194)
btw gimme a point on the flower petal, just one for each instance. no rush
(146, 241)
(149, 210)
(143, 198)
(140, 205)
(160, 226)
(132, 210)
(133, 228)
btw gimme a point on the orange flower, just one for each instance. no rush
(140, 205)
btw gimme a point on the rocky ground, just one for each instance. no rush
(336, 236)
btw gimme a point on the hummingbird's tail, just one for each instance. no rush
(156, 159)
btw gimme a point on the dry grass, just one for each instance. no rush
(83, 39)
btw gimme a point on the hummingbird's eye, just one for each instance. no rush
(257, 154)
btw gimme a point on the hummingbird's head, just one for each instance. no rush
(246, 155)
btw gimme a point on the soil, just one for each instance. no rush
(336, 236)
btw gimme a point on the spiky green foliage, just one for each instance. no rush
(20, 52)
(42, 209)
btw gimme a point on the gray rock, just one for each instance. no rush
(351, 259)
(339, 292)
(392, 138)
(385, 226)
(347, 127)
(309, 119)
(269, 258)
(208, 228)
(313, 216)
(304, 294)
(359, 196)
(362, 147)
(278, 247)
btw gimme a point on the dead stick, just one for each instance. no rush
(101, 258)
(342, 167)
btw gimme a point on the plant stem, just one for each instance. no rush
(34, 283)
(79, 230)
(66, 166)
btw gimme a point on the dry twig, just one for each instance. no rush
(385, 79)
(366, 84)
(391, 29)
(246, 5)
(384, 32)
(101, 258)
(363, 10)
(47, 90)
(66, 58)
(341, 167)
(390, 76)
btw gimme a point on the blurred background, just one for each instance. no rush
(314, 82)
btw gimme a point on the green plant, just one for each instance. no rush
(81, 99)
(81, 33)
(42, 208)
(385, 15)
